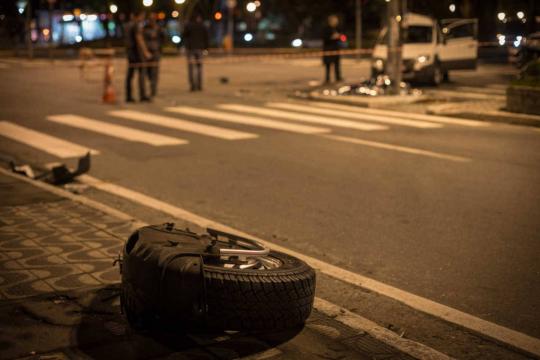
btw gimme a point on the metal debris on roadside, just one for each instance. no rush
(76, 188)
(381, 85)
(58, 175)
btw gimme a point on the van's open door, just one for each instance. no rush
(459, 47)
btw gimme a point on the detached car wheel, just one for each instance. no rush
(178, 278)
(280, 296)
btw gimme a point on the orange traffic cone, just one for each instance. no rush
(109, 94)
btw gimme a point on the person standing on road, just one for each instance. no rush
(331, 43)
(154, 37)
(137, 54)
(196, 43)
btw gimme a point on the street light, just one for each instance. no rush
(113, 8)
(520, 14)
(501, 16)
(452, 8)
(251, 6)
(179, 1)
(21, 5)
(147, 3)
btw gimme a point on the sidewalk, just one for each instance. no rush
(59, 293)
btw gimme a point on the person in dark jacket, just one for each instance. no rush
(154, 37)
(196, 43)
(332, 42)
(137, 55)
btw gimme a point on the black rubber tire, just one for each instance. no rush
(260, 300)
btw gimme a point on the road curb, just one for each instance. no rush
(346, 317)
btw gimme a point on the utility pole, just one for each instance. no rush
(393, 62)
(358, 28)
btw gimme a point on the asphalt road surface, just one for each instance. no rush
(447, 211)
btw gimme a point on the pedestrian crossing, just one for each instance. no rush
(305, 118)
(403, 115)
(353, 114)
(118, 131)
(183, 125)
(41, 141)
(247, 120)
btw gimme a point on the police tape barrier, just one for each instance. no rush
(88, 57)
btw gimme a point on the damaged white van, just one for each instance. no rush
(430, 48)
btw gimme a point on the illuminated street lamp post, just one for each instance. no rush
(21, 6)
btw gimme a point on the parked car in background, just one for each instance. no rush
(430, 49)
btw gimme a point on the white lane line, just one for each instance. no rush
(356, 115)
(121, 132)
(47, 143)
(342, 315)
(329, 121)
(404, 115)
(183, 125)
(491, 330)
(403, 149)
(247, 120)
(357, 322)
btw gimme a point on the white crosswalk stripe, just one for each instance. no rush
(41, 141)
(328, 121)
(121, 132)
(183, 125)
(404, 115)
(404, 149)
(247, 120)
(355, 115)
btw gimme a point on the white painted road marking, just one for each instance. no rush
(500, 333)
(354, 321)
(356, 115)
(399, 148)
(329, 121)
(359, 323)
(247, 120)
(404, 115)
(183, 125)
(117, 131)
(47, 143)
